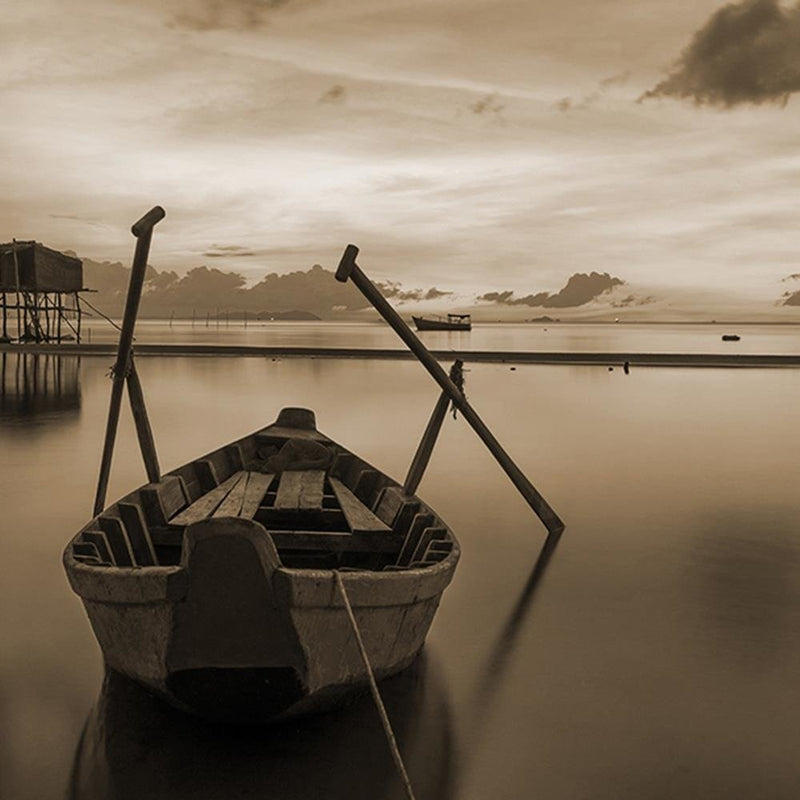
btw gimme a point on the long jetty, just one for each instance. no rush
(752, 360)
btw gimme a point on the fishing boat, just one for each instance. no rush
(278, 573)
(454, 322)
(216, 587)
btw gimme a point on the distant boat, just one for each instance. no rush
(730, 337)
(454, 322)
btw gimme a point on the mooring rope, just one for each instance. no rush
(98, 311)
(376, 695)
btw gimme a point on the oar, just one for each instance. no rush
(349, 269)
(143, 231)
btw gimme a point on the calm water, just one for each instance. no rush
(656, 657)
(561, 337)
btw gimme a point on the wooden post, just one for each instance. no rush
(349, 269)
(425, 449)
(143, 231)
(16, 276)
(143, 430)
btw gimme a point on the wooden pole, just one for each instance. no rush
(349, 269)
(425, 448)
(144, 432)
(143, 231)
(16, 276)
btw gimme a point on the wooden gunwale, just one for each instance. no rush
(300, 587)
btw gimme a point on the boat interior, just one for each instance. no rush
(323, 507)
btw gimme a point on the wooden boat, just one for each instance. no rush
(454, 322)
(216, 586)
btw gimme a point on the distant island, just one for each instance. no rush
(314, 295)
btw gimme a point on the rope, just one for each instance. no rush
(457, 376)
(376, 695)
(98, 311)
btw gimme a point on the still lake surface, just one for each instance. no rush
(656, 656)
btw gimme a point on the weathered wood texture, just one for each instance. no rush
(359, 518)
(232, 504)
(98, 539)
(163, 500)
(421, 521)
(257, 485)
(206, 505)
(138, 535)
(117, 538)
(336, 542)
(301, 490)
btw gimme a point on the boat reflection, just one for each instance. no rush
(135, 746)
(33, 384)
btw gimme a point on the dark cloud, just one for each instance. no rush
(580, 289)
(209, 15)
(336, 94)
(747, 52)
(571, 104)
(507, 298)
(791, 299)
(488, 104)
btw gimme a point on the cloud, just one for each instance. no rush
(580, 289)
(615, 80)
(394, 291)
(335, 94)
(571, 104)
(228, 251)
(487, 104)
(747, 52)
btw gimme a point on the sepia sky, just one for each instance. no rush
(467, 144)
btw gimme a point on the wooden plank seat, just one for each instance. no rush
(359, 518)
(298, 515)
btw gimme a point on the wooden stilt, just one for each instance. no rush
(78, 315)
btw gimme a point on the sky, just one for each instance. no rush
(472, 145)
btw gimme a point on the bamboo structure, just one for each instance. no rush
(39, 293)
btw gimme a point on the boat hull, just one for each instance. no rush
(232, 633)
(300, 657)
(423, 324)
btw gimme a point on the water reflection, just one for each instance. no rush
(493, 672)
(33, 384)
(134, 746)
